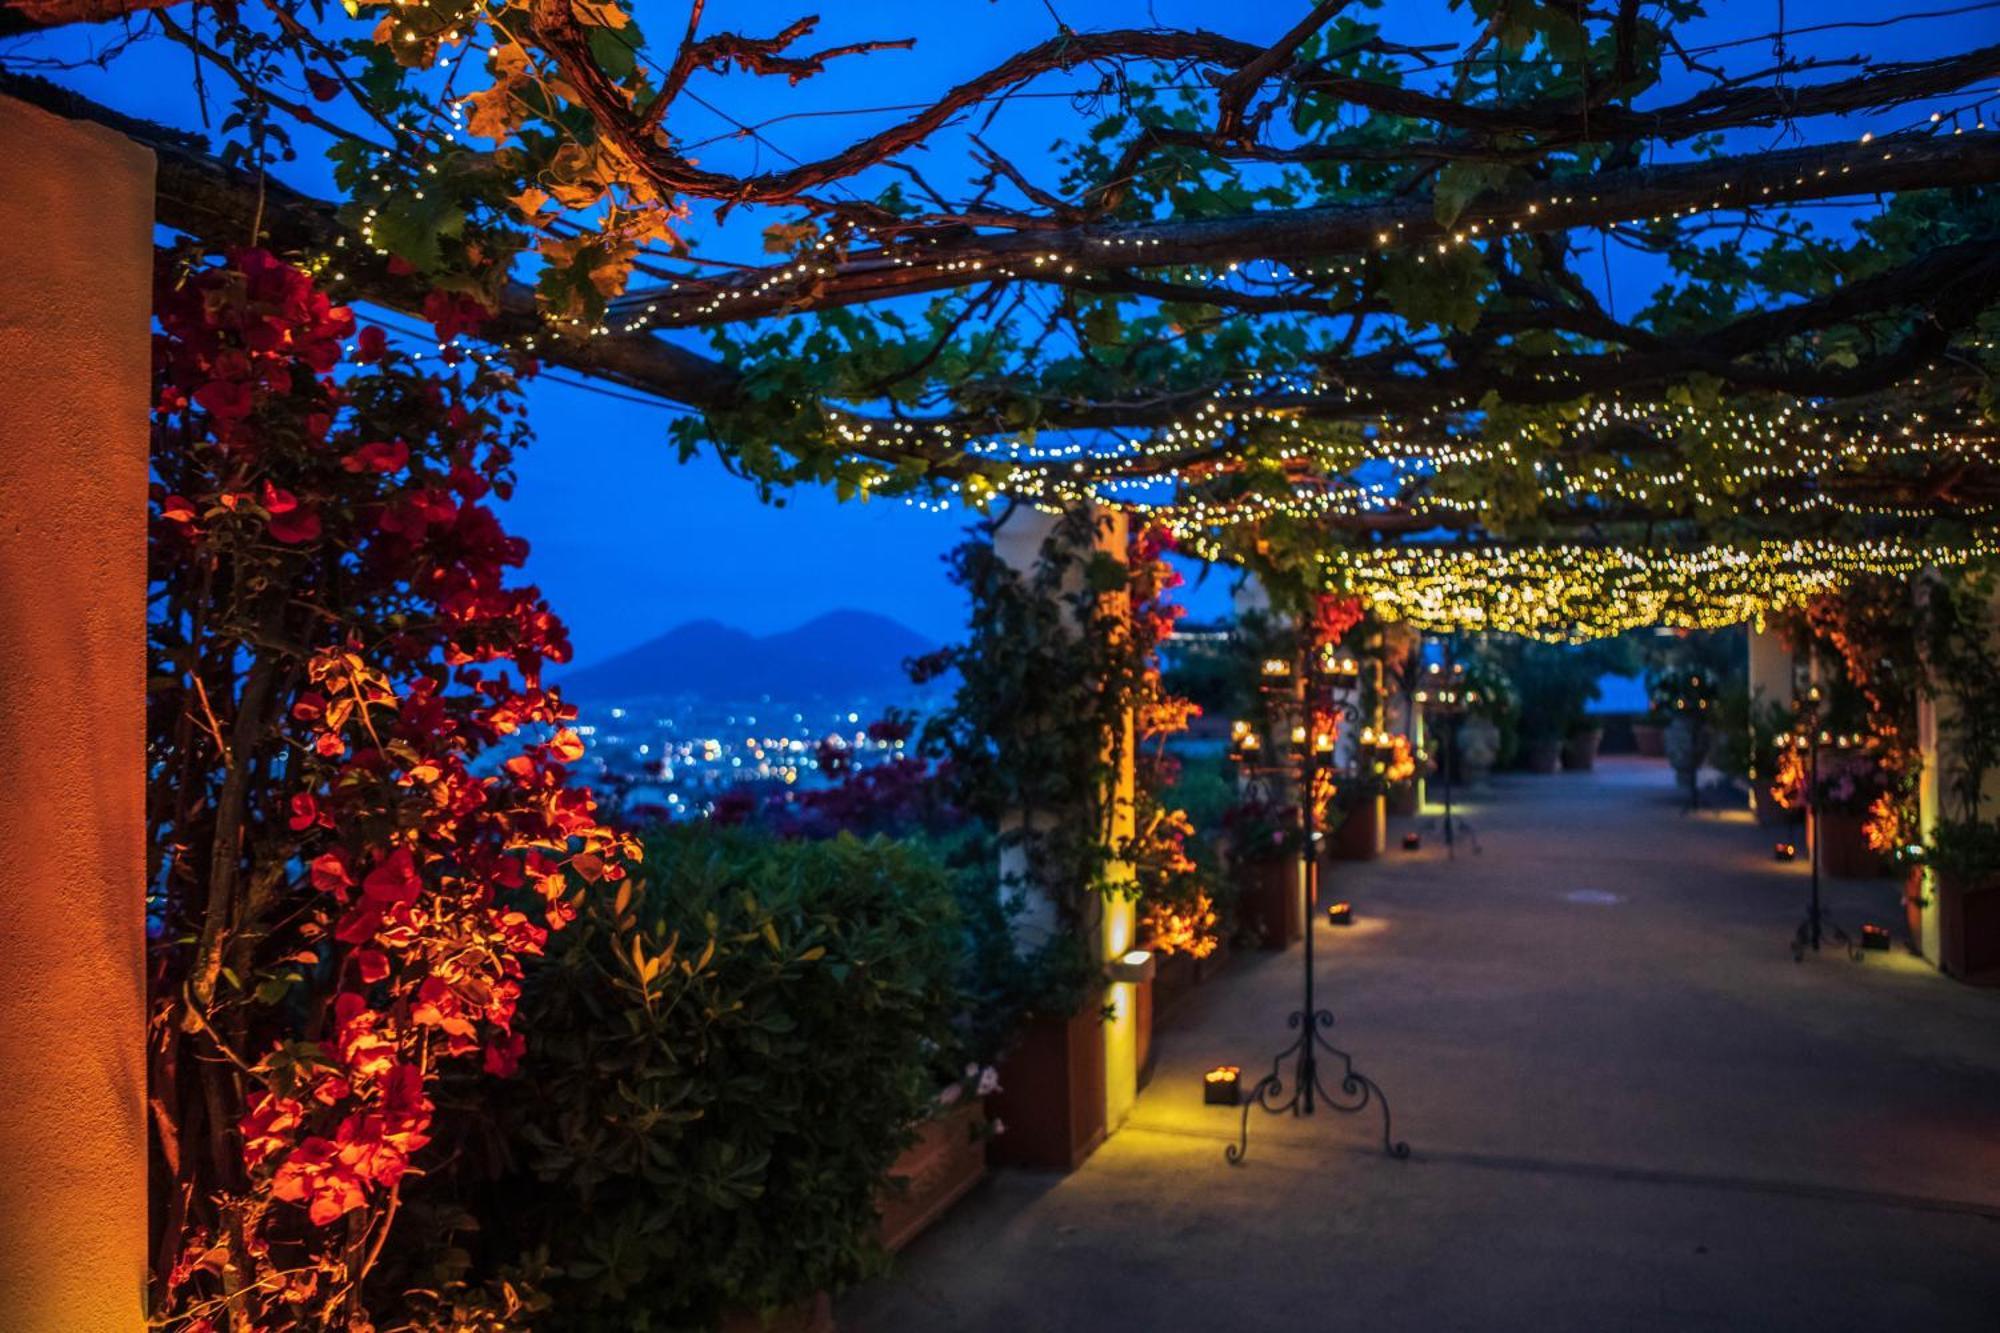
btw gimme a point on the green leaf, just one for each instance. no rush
(1462, 182)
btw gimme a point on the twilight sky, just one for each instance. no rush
(627, 542)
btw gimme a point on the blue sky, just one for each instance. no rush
(628, 542)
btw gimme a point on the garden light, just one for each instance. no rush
(1222, 1086)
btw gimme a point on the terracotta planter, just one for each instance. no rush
(1543, 754)
(1268, 899)
(1969, 927)
(1401, 802)
(810, 1316)
(948, 1158)
(1579, 752)
(1359, 837)
(1051, 1094)
(1649, 740)
(1844, 852)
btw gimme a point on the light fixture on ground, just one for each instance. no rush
(1303, 1093)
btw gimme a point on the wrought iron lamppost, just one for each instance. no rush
(1444, 695)
(1311, 748)
(1810, 736)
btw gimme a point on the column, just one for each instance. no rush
(76, 261)
(1019, 541)
(1771, 681)
(1937, 716)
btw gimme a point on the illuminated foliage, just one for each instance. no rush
(361, 820)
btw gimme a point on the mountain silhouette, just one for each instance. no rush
(840, 655)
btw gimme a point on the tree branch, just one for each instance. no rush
(1828, 171)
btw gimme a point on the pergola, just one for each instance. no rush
(1323, 305)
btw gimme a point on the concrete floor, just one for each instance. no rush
(1629, 1109)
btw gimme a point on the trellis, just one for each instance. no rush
(1392, 344)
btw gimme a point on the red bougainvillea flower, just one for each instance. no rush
(378, 457)
(300, 525)
(330, 872)
(428, 876)
(305, 811)
(394, 880)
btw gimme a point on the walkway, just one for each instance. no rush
(1629, 1108)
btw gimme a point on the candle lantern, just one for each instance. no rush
(1340, 914)
(1786, 851)
(1222, 1086)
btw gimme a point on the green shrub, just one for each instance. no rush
(720, 1071)
(1968, 850)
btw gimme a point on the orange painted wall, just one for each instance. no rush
(76, 223)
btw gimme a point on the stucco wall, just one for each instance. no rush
(76, 217)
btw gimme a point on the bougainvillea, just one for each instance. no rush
(361, 820)
(1866, 634)
(1176, 913)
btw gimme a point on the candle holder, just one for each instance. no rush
(1445, 696)
(1301, 1091)
(1809, 734)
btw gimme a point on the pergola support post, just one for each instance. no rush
(1019, 540)
(1772, 680)
(76, 268)
(1955, 937)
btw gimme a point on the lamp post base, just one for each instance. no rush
(1305, 1094)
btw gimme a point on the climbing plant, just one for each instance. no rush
(360, 819)
(1177, 905)
(1050, 673)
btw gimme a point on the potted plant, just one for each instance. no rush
(1263, 858)
(1051, 1094)
(1484, 736)
(946, 1160)
(1964, 860)
(1839, 809)
(1359, 823)
(1686, 696)
(1359, 806)
(1963, 852)
(1579, 752)
(1555, 682)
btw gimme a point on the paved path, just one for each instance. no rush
(1629, 1108)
